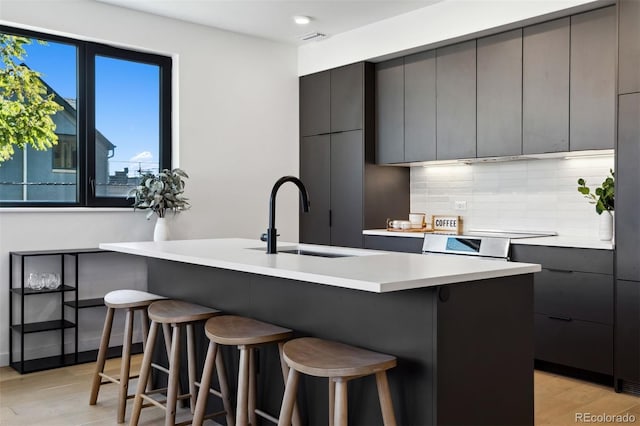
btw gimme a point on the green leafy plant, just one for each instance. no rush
(604, 195)
(161, 192)
(26, 110)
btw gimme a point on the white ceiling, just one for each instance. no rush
(272, 19)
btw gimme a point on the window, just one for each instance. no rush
(114, 124)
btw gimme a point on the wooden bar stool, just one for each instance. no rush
(172, 314)
(246, 334)
(131, 300)
(340, 363)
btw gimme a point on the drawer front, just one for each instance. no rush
(403, 244)
(567, 259)
(578, 344)
(574, 295)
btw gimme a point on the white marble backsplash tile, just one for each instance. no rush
(538, 195)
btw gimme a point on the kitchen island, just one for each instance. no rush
(461, 328)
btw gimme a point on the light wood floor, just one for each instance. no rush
(60, 397)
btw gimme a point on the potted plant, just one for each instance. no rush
(161, 193)
(604, 199)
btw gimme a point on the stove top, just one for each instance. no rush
(508, 234)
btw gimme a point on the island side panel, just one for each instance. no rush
(399, 323)
(485, 352)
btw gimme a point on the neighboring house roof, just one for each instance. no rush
(69, 106)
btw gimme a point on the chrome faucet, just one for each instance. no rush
(272, 235)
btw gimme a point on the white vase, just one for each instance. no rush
(605, 230)
(161, 230)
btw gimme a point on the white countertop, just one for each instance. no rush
(368, 270)
(385, 233)
(555, 241)
(560, 241)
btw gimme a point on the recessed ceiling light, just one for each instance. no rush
(301, 19)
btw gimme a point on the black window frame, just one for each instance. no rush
(85, 109)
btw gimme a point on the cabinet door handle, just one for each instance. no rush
(560, 318)
(330, 218)
(559, 270)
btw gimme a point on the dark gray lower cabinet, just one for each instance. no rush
(574, 298)
(574, 343)
(627, 362)
(402, 244)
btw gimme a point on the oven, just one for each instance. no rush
(486, 244)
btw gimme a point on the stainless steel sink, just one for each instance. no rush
(303, 252)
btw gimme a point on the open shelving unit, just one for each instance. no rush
(70, 305)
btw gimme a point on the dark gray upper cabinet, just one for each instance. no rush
(390, 112)
(347, 97)
(420, 107)
(627, 192)
(628, 46)
(545, 87)
(315, 104)
(456, 101)
(315, 172)
(593, 77)
(347, 188)
(500, 94)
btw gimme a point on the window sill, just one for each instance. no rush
(69, 210)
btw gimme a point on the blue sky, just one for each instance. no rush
(127, 96)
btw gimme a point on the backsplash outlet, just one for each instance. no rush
(535, 195)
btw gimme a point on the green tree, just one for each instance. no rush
(26, 110)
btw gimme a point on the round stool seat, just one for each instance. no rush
(120, 299)
(323, 358)
(177, 311)
(234, 330)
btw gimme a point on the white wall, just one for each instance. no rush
(533, 195)
(446, 20)
(235, 131)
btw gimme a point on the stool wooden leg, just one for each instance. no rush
(224, 388)
(341, 408)
(295, 420)
(243, 387)
(174, 377)
(144, 374)
(125, 366)
(205, 384)
(191, 365)
(102, 356)
(386, 403)
(251, 406)
(289, 399)
(145, 334)
(332, 400)
(166, 331)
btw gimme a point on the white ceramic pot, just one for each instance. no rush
(605, 230)
(161, 230)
